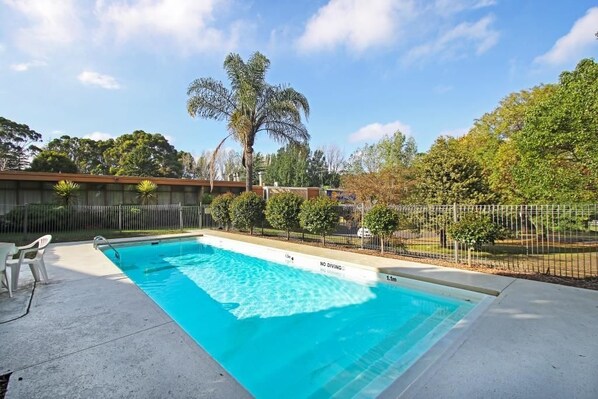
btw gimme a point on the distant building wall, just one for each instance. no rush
(19, 188)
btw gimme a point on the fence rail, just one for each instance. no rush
(560, 240)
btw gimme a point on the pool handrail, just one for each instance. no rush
(106, 242)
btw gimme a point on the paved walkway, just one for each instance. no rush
(91, 333)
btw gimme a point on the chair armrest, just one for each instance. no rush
(27, 246)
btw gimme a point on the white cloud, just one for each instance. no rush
(458, 132)
(579, 41)
(376, 131)
(92, 78)
(185, 22)
(98, 136)
(356, 24)
(25, 66)
(51, 23)
(457, 41)
(449, 7)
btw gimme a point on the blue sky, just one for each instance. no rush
(368, 67)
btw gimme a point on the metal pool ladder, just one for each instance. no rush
(96, 243)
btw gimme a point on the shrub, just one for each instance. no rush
(382, 221)
(220, 209)
(319, 216)
(66, 192)
(474, 230)
(206, 199)
(247, 210)
(282, 212)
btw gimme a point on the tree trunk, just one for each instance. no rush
(381, 245)
(249, 167)
(288, 235)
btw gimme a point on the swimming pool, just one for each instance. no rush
(289, 332)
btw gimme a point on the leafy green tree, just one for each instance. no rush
(16, 144)
(247, 210)
(250, 106)
(188, 166)
(289, 166)
(382, 221)
(146, 192)
(447, 175)
(474, 230)
(202, 165)
(395, 151)
(282, 212)
(557, 145)
(220, 209)
(317, 171)
(87, 154)
(490, 142)
(52, 161)
(319, 216)
(66, 192)
(143, 154)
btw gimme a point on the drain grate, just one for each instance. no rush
(4, 384)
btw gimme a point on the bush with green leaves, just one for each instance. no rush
(66, 192)
(319, 216)
(382, 221)
(473, 230)
(247, 210)
(282, 211)
(220, 209)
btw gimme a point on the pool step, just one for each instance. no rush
(394, 351)
(338, 365)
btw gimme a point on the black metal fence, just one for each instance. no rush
(559, 240)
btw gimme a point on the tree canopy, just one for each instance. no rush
(143, 154)
(17, 144)
(52, 161)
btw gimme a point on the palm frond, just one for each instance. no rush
(235, 69)
(213, 162)
(210, 99)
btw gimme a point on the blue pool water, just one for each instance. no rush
(286, 332)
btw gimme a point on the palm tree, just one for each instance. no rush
(146, 192)
(66, 192)
(250, 106)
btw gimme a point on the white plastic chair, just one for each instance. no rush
(5, 272)
(36, 264)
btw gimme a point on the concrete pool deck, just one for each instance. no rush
(92, 333)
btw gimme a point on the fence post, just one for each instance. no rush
(200, 214)
(25, 220)
(362, 217)
(455, 243)
(120, 217)
(181, 215)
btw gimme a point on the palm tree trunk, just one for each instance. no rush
(249, 168)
